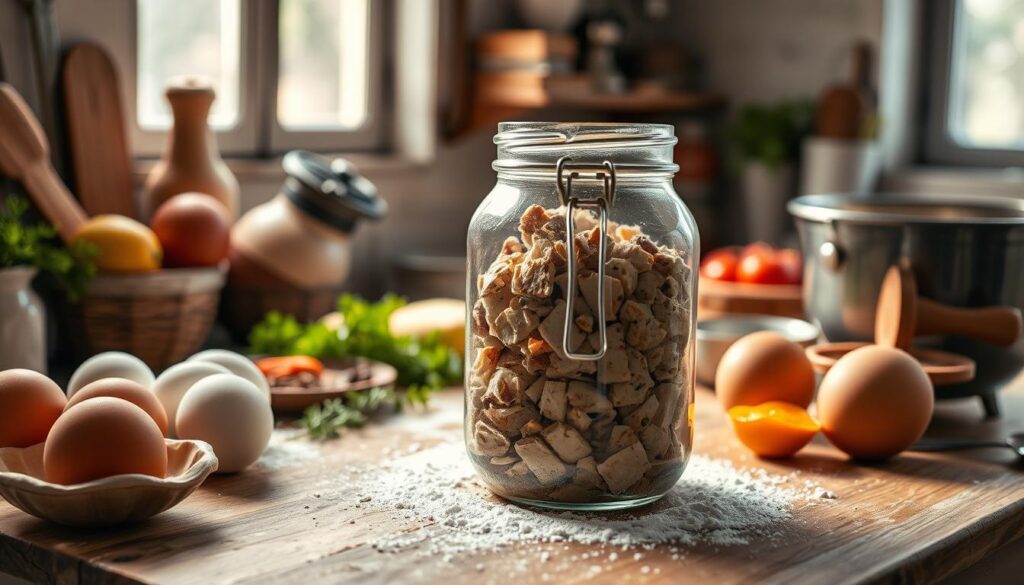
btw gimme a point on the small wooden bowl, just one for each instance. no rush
(333, 384)
(942, 367)
(120, 499)
(717, 297)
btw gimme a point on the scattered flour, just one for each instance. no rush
(714, 503)
(288, 447)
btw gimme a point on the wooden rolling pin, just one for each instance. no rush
(995, 325)
(25, 157)
(902, 315)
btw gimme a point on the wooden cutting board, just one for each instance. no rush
(919, 517)
(97, 137)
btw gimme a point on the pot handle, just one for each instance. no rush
(831, 255)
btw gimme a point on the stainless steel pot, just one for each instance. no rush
(966, 251)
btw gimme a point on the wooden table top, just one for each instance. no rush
(918, 517)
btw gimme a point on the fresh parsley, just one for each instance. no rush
(37, 246)
(425, 364)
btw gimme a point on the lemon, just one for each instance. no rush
(124, 244)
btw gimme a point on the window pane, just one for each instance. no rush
(322, 79)
(987, 89)
(188, 37)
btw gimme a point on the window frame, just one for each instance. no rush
(258, 132)
(939, 146)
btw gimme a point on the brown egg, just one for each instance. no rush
(194, 230)
(762, 367)
(29, 404)
(124, 389)
(875, 402)
(102, 437)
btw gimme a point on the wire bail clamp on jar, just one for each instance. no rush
(606, 174)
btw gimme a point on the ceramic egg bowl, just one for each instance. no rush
(716, 335)
(119, 499)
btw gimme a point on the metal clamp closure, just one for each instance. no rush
(606, 174)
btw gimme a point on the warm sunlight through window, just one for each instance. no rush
(986, 107)
(188, 37)
(322, 78)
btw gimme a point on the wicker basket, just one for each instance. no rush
(161, 317)
(244, 306)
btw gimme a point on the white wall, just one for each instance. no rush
(759, 50)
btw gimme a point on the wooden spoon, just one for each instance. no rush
(25, 156)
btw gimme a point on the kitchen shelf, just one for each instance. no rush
(503, 96)
(635, 101)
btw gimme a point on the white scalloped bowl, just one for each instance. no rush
(118, 499)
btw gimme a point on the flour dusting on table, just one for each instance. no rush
(714, 504)
(288, 447)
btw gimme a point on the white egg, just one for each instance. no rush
(229, 413)
(238, 364)
(171, 385)
(110, 364)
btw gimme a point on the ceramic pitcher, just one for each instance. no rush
(191, 160)
(22, 322)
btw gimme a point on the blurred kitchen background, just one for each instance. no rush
(770, 99)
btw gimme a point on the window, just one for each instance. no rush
(987, 94)
(976, 93)
(288, 74)
(321, 81)
(185, 37)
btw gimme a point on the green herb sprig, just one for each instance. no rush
(323, 421)
(37, 246)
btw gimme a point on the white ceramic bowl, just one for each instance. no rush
(716, 335)
(109, 501)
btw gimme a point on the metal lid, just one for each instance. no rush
(533, 149)
(332, 191)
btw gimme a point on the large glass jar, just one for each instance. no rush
(594, 411)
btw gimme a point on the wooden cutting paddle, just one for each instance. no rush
(25, 156)
(97, 141)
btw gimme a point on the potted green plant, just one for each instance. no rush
(765, 140)
(26, 250)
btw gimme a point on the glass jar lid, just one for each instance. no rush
(533, 149)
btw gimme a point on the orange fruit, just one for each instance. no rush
(194, 230)
(773, 429)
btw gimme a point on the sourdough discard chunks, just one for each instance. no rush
(544, 426)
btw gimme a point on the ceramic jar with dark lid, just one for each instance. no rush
(293, 253)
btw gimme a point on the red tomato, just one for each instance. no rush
(759, 265)
(720, 265)
(792, 265)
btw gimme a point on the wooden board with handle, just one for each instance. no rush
(919, 517)
(97, 137)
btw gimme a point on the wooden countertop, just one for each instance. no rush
(918, 517)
